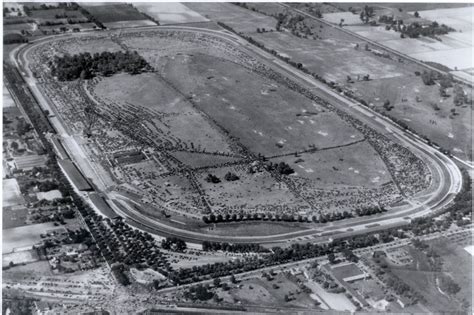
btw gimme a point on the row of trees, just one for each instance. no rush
(321, 218)
(234, 248)
(87, 66)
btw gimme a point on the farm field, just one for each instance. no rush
(51, 14)
(17, 28)
(11, 193)
(169, 12)
(25, 236)
(21, 257)
(242, 20)
(331, 58)
(115, 15)
(453, 51)
(348, 17)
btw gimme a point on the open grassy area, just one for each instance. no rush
(176, 119)
(422, 278)
(422, 108)
(457, 263)
(25, 236)
(267, 119)
(339, 167)
(257, 192)
(272, 293)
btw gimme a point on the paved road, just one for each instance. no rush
(446, 169)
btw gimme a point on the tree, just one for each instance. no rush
(217, 282)
(331, 258)
(202, 293)
(231, 176)
(446, 81)
(442, 92)
(284, 169)
(417, 15)
(232, 279)
(459, 95)
(14, 145)
(428, 77)
(212, 179)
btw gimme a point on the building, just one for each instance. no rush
(128, 157)
(349, 272)
(74, 175)
(28, 162)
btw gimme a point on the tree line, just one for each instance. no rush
(234, 248)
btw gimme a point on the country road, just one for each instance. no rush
(449, 184)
